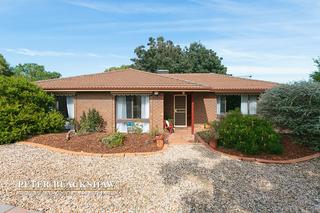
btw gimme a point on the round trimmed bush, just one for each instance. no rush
(25, 110)
(248, 134)
(295, 107)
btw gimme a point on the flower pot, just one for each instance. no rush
(160, 140)
(160, 143)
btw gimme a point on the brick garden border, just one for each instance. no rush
(121, 154)
(197, 138)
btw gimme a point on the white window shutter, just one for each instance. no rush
(145, 107)
(121, 107)
(252, 105)
(218, 105)
(244, 104)
(70, 107)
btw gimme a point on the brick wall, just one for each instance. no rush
(156, 112)
(205, 105)
(102, 102)
(168, 104)
(205, 108)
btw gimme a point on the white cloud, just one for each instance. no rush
(29, 52)
(234, 54)
(128, 8)
(282, 74)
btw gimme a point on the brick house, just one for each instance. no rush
(131, 97)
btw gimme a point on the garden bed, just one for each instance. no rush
(291, 150)
(91, 143)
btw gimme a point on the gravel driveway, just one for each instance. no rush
(184, 178)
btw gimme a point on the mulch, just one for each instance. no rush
(91, 143)
(291, 150)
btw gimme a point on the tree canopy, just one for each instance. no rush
(30, 71)
(4, 67)
(124, 66)
(34, 72)
(162, 54)
(315, 76)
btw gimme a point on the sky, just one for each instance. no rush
(273, 40)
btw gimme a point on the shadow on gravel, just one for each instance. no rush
(242, 186)
(205, 152)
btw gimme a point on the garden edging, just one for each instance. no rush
(64, 151)
(197, 138)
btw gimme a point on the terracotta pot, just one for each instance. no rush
(213, 144)
(160, 143)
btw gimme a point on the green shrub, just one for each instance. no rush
(90, 122)
(154, 132)
(25, 110)
(214, 124)
(248, 134)
(114, 140)
(295, 107)
(136, 129)
(207, 135)
(52, 122)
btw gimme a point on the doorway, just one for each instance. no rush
(180, 110)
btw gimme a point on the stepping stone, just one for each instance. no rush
(5, 208)
(12, 209)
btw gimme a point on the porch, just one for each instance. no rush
(188, 111)
(181, 136)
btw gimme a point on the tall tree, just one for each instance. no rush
(201, 59)
(122, 67)
(316, 74)
(34, 72)
(4, 67)
(162, 54)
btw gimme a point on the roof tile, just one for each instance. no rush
(131, 79)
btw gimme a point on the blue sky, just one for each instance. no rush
(268, 39)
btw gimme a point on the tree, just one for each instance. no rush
(162, 54)
(315, 76)
(122, 67)
(294, 107)
(201, 59)
(4, 67)
(25, 110)
(34, 72)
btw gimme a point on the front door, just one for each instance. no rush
(180, 110)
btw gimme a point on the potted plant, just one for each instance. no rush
(160, 140)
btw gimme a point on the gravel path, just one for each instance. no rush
(184, 178)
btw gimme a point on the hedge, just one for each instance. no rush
(25, 110)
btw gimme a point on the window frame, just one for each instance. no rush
(133, 120)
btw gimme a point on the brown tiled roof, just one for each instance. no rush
(131, 79)
(224, 83)
(127, 79)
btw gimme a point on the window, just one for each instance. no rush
(227, 103)
(133, 106)
(246, 103)
(132, 111)
(65, 105)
